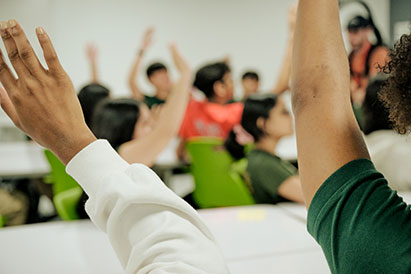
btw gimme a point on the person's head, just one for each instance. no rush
(359, 29)
(396, 92)
(89, 97)
(121, 120)
(250, 82)
(215, 81)
(264, 116)
(158, 76)
(375, 114)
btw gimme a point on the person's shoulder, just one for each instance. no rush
(262, 159)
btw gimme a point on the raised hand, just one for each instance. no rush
(181, 64)
(147, 39)
(41, 102)
(91, 52)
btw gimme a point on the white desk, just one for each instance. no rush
(23, 159)
(257, 239)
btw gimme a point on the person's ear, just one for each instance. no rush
(261, 124)
(219, 89)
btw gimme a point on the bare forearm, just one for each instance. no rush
(94, 72)
(132, 79)
(283, 79)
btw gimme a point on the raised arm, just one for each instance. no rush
(91, 52)
(146, 149)
(150, 228)
(133, 76)
(282, 83)
(328, 135)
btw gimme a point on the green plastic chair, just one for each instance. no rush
(2, 221)
(66, 191)
(59, 178)
(217, 185)
(66, 203)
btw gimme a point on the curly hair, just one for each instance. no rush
(396, 92)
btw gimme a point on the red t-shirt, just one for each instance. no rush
(204, 118)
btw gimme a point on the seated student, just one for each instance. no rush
(389, 151)
(213, 116)
(150, 228)
(132, 130)
(157, 75)
(250, 82)
(273, 179)
(361, 224)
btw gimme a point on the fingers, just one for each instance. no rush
(6, 77)
(50, 54)
(26, 52)
(8, 107)
(13, 52)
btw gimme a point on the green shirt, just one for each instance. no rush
(267, 172)
(152, 100)
(360, 223)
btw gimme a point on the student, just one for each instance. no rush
(273, 179)
(390, 152)
(213, 116)
(365, 57)
(361, 224)
(251, 83)
(157, 75)
(150, 228)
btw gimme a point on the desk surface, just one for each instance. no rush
(250, 237)
(22, 159)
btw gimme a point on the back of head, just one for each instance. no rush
(208, 75)
(357, 23)
(89, 97)
(115, 120)
(250, 75)
(255, 106)
(376, 116)
(151, 69)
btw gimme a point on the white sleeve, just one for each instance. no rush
(150, 228)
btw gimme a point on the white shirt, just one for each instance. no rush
(391, 155)
(150, 228)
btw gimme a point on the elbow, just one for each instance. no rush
(302, 95)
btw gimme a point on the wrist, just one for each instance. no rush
(68, 146)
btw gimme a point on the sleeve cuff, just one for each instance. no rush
(93, 163)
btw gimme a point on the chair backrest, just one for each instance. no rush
(2, 221)
(216, 183)
(60, 179)
(66, 203)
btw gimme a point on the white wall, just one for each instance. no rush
(253, 32)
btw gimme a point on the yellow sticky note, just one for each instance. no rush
(251, 215)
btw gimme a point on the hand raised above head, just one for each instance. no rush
(42, 102)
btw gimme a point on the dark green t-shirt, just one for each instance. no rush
(153, 100)
(267, 172)
(360, 223)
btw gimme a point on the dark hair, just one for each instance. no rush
(208, 75)
(89, 97)
(396, 92)
(360, 22)
(375, 114)
(255, 106)
(251, 75)
(115, 120)
(155, 67)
